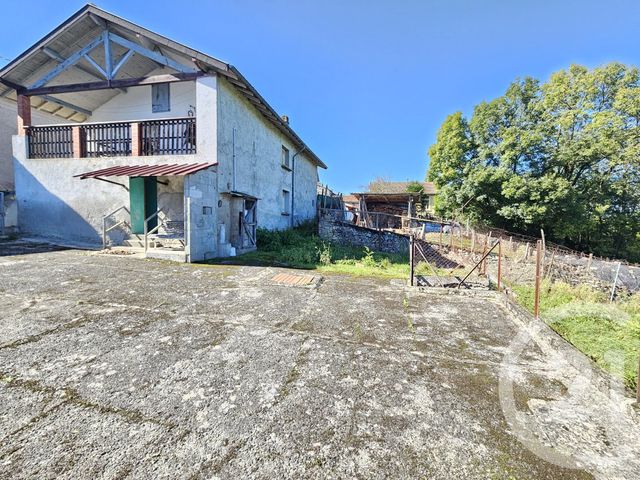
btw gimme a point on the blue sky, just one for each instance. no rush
(367, 83)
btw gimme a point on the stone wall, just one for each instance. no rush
(347, 234)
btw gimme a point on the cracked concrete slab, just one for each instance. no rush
(116, 367)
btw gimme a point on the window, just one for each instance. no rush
(160, 98)
(285, 158)
(286, 202)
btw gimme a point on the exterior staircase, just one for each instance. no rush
(155, 241)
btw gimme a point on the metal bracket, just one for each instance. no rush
(112, 182)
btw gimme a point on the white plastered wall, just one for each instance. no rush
(52, 203)
(258, 146)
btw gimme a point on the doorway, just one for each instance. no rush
(143, 199)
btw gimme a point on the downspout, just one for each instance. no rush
(293, 183)
(233, 160)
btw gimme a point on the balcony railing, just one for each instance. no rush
(106, 139)
(168, 137)
(174, 136)
(50, 142)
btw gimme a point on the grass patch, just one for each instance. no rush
(301, 247)
(599, 329)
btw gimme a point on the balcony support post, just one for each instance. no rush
(24, 114)
(77, 141)
(136, 144)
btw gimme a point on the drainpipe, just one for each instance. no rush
(293, 183)
(233, 154)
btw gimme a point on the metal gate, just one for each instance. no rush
(249, 222)
(434, 265)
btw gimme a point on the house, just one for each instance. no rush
(8, 207)
(148, 142)
(395, 198)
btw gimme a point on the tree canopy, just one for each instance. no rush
(563, 155)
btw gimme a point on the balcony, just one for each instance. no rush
(174, 136)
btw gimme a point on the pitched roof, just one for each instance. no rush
(85, 25)
(399, 187)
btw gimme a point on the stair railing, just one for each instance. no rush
(106, 230)
(148, 232)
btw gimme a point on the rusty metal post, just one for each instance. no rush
(638, 382)
(412, 247)
(615, 283)
(499, 264)
(536, 300)
(483, 267)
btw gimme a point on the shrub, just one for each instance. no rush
(368, 259)
(324, 253)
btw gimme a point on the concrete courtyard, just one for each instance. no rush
(117, 367)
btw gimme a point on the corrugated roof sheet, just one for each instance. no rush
(147, 170)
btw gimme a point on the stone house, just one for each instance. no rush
(127, 137)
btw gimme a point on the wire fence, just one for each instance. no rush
(564, 288)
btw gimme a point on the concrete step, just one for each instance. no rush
(168, 242)
(138, 242)
(226, 250)
(129, 242)
(163, 254)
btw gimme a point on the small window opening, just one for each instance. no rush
(285, 157)
(286, 202)
(160, 98)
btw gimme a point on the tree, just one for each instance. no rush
(563, 155)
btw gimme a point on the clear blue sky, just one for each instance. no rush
(367, 83)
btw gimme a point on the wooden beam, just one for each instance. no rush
(10, 84)
(24, 114)
(66, 104)
(95, 65)
(108, 61)
(98, 21)
(126, 82)
(145, 52)
(59, 58)
(121, 61)
(69, 62)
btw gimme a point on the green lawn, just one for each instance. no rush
(599, 329)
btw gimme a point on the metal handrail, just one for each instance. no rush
(106, 230)
(148, 232)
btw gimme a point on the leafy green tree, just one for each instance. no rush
(563, 155)
(415, 187)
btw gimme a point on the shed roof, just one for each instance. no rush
(147, 170)
(399, 187)
(387, 197)
(83, 27)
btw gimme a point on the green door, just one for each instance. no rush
(143, 199)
